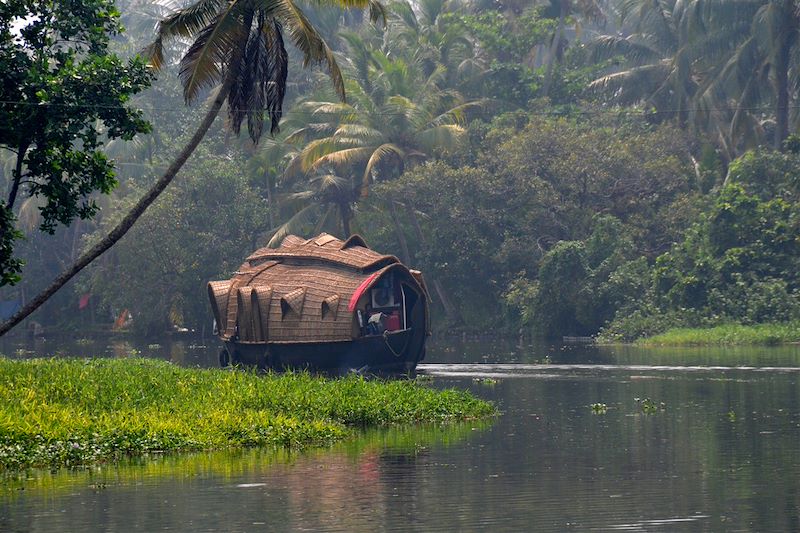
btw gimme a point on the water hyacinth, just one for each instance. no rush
(70, 412)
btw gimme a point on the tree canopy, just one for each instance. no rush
(574, 166)
(63, 93)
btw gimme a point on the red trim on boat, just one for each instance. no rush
(360, 290)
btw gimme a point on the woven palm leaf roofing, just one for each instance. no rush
(353, 252)
(301, 291)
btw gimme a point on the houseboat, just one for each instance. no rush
(323, 304)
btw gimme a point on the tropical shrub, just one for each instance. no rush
(737, 264)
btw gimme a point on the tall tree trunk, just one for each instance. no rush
(551, 59)
(450, 310)
(270, 203)
(405, 251)
(127, 222)
(344, 212)
(781, 96)
(16, 178)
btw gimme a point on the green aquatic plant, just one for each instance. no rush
(649, 406)
(728, 335)
(486, 381)
(70, 412)
(599, 408)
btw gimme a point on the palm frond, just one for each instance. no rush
(633, 85)
(447, 137)
(405, 108)
(319, 148)
(378, 155)
(325, 182)
(185, 22)
(470, 69)
(201, 66)
(261, 74)
(341, 110)
(310, 43)
(377, 12)
(458, 114)
(609, 46)
(358, 131)
(295, 225)
(341, 158)
(404, 13)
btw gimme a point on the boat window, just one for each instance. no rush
(385, 294)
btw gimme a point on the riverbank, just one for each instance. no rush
(66, 412)
(728, 334)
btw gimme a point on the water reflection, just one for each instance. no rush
(203, 352)
(181, 350)
(723, 453)
(341, 488)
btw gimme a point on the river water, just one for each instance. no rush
(677, 440)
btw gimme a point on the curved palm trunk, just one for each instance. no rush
(127, 222)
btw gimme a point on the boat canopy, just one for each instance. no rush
(311, 290)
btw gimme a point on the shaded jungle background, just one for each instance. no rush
(553, 167)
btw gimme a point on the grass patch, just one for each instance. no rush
(728, 334)
(64, 412)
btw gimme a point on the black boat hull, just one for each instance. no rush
(393, 353)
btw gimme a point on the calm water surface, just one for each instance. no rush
(720, 452)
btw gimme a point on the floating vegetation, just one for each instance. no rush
(728, 334)
(76, 411)
(486, 381)
(599, 408)
(731, 416)
(649, 406)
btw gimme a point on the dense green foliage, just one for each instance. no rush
(195, 232)
(75, 411)
(559, 168)
(538, 184)
(63, 93)
(737, 264)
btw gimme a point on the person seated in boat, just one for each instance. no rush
(375, 324)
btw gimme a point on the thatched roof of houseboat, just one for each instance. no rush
(302, 291)
(325, 248)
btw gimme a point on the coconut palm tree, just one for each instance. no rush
(591, 9)
(397, 118)
(659, 59)
(422, 36)
(750, 48)
(237, 49)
